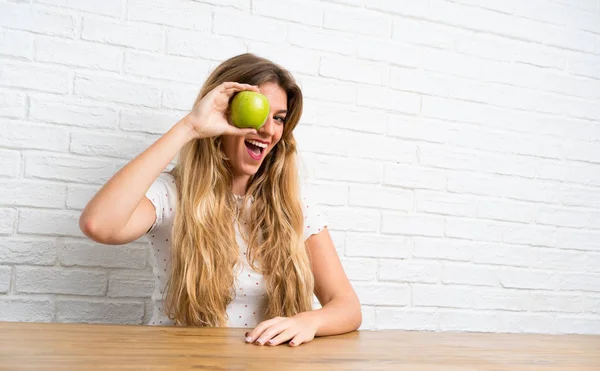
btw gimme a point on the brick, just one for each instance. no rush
(320, 39)
(555, 302)
(360, 269)
(592, 262)
(474, 229)
(153, 66)
(10, 163)
(179, 96)
(111, 145)
(188, 14)
(503, 254)
(317, 139)
(385, 98)
(445, 203)
(293, 59)
(579, 281)
(339, 241)
(353, 219)
(20, 250)
(248, 26)
(588, 325)
(70, 169)
(525, 322)
(417, 128)
(501, 321)
(443, 248)
(49, 222)
(35, 77)
(577, 239)
(527, 234)
(589, 5)
(381, 197)
(351, 118)
(327, 193)
(468, 297)
(328, 90)
(377, 246)
(12, 104)
(79, 196)
(79, 54)
(579, 196)
(237, 4)
(389, 52)
(5, 276)
(345, 169)
(24, 17)
(17, 309)
(203, 45)
(413, 177)
(22, 135)
(146, 121)
(87, 311)
(372, 146)
(592, 304)
(115, 32)
(293, 11)
(91, 254)
(108, 7)
(549, 258)
(582, 151)
(506, 210)
(430, 34)
(409, 271)
(7, 220)
(35, 194)
(382, 293)
(72, 113)
(16, 44)
(372, 24)
(409, 319)
(59, 281)
(410, 7)
(412, 224)
(528, 279)
(468, 274)
(130, 285)
(121, 90)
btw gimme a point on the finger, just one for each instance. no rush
(273, 331)
(233, 130)
(299, 339)
(254, 334)
(282, 337)
(234, 87)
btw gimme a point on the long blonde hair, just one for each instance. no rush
(205, 254)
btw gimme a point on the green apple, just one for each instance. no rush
(249, 109)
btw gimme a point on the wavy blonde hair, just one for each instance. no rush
(204, 255)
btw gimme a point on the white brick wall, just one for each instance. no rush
(454, 147)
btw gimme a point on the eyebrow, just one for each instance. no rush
(281, 111)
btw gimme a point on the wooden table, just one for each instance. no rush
(55, 346)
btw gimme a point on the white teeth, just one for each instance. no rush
(258, 144)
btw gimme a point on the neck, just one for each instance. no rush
(239, 184)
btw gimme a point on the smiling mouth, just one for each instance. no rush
(255, 148)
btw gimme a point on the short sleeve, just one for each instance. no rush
(162, 194)
(314, 221)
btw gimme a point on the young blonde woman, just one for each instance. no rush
(235, 243)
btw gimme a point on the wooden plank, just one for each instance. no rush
(59, 346)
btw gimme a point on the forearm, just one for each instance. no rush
(112, 206)
(340, 315)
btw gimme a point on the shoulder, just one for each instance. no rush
(314, 219)
(163, 195)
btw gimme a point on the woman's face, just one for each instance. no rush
(246, 153)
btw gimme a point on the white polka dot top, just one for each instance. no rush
(247, 307)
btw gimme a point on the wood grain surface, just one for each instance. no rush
(59, 346)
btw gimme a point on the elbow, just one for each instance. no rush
(90, 229)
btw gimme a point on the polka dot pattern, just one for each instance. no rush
(249, 303)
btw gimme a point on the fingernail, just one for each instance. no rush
(248, 339)
(270, 341)
(292, 343)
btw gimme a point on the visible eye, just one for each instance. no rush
(281, 119)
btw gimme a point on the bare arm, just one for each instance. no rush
(120, 213)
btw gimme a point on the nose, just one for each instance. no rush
(268, 129)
